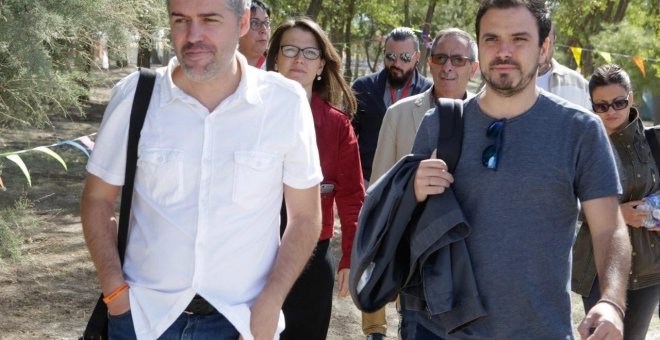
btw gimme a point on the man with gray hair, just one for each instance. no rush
(452, 63)
(204, 258)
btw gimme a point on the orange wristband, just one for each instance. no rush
(117, 292)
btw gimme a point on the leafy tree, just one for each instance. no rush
(46, 51)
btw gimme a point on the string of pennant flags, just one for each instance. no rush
(84, 144)
(607, 56)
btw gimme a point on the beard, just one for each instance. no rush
(208, 71)
(504, 83)
(398, 81)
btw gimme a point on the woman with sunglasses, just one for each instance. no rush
(301, 51)
(612, 98)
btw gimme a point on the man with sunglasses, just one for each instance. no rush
(526, 159)
(452, 64)
(561, 80)
(254, 44)
(375, 93)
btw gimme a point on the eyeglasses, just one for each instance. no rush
(256, 24)
(618, 104)
(456, 60)
(406, 57)
(310, 53)
(490, 156)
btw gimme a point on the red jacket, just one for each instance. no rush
(340, 164)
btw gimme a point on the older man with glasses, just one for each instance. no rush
(253, 45)
(375, 93)
(452, 64)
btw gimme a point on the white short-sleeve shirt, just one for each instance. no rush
(208, 191)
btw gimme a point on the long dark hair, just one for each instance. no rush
(332, 87)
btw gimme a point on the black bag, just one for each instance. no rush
(97, 326)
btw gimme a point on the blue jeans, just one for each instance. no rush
(186, 327)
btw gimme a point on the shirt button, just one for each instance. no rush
(638, 175)
(634, 254)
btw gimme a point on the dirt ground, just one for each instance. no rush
(50, 292)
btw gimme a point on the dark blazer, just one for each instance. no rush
(370, 91)
(425, 259)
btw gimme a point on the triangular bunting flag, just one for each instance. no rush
(52, 154)
(577, 55)
(2, 185)
(640, 63)
(86, 141)
(606, 56)
(75, 145)
(17, 159)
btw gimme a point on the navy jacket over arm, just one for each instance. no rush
(416, 250)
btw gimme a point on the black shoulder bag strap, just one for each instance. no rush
(652, 141)
(97, 326)
(450, 135)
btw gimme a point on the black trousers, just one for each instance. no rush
(308, 306)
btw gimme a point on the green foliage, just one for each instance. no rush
(630, 39)
(46, 51)
(14, 221)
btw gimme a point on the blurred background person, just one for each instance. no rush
(612, 99)
(301, 51)
(561, 80)
(253, 45)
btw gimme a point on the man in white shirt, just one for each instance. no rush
(561, 80)
(216, 155)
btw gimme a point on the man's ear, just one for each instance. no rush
(473, 68)
(545, 50)
(244, 22)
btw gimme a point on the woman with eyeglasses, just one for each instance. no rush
(301, 51)
(612, 98)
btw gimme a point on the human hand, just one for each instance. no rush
(342, 282)
(603, 322)
(431, 178)
(119, 305)
(632, 216)
(265, 313)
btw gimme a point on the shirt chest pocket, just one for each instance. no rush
(160, 175)
(256, 176)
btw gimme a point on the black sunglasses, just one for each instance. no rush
(456, 59)
(310, 53)
(618, 104)
(491, 155)
(406, 57)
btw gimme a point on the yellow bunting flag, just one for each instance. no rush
(640, 63)
(606, 56)
(577, 54)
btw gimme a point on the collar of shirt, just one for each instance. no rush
(247, 89)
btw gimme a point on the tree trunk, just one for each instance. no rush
(406, 13)
(427, 25)
(314, 9)
(144, 52)
(350, 12)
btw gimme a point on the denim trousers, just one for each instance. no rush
(641, 305)
(186, 327)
